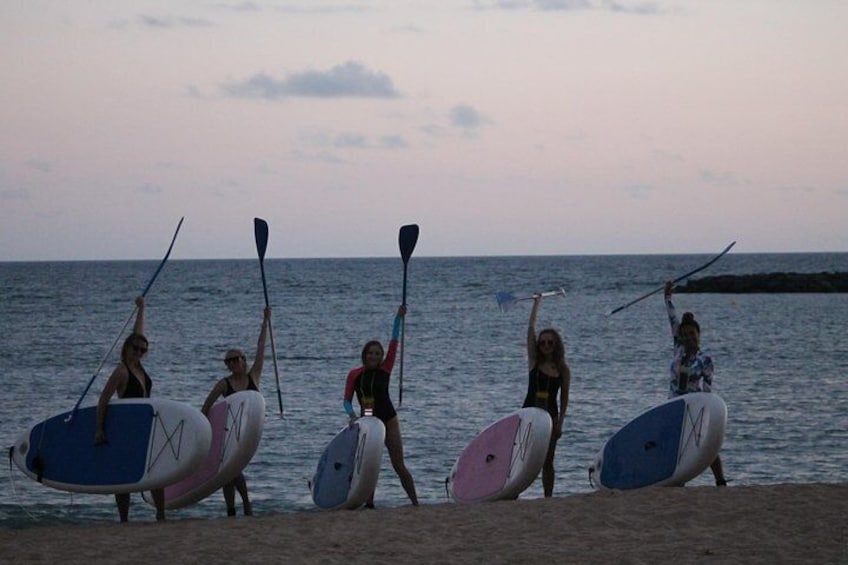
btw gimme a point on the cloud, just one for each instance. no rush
(148, 188)
(467, 117)
(349, 80)
(393, 142)
(15, 194)
(547, 5)
(639, 191)
(620, 6)
(350, 140)
(159, 22)
(40, 165)
(721, 179)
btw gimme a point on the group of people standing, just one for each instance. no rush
(548, 385)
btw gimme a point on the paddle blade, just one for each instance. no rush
(506, 300)
(260, 231)
(407, 238)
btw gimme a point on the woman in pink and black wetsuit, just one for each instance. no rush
(370, 382)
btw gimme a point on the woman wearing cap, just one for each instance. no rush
(240, 378)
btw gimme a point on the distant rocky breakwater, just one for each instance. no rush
(769, 282)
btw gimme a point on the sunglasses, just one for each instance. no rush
(233, 359)
(543, 342)
(140, 349)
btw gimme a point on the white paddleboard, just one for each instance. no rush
(349, 467)
(669, 444)
(237, 421)
(504, 459)
(152, 442)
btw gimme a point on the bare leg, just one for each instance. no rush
(394, 443)
(548, 473)
(159, 501)
(230, 498)
(123, 502)
(241, 486)
(718, 472)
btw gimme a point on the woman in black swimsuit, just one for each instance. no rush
(129, 380)
(240, 379)
(549, 377)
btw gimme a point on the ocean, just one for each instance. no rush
(781, 361)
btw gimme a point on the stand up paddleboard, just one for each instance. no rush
(503, 460)
(350, 465)
(237, 421)
(151, 443)
(667, 445)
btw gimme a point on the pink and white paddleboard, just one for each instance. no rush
(504, 459)
(237, 421)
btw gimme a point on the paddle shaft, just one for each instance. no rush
(677, 280)
(407, 238)
(124, 327)
(260, 229)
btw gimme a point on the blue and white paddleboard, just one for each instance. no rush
(669, 444)
(151, 443)
(348, 469)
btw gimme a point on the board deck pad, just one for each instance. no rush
(645, 451)
(119, 461)
(484, 467)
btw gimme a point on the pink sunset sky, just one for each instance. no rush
(501, 127)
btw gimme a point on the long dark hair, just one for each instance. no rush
(369, 344)
(131, 340)
(689, 320)
(558, 354)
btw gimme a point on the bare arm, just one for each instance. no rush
(139, 316)
(563, 400)
(259, 359)
(116, 382)
(531, 332)
(213, 395)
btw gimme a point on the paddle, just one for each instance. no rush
(507, 300)
(260, 231)
(407, 238)
(677, 280)
(124, 327)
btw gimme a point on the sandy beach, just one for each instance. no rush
(747, 524)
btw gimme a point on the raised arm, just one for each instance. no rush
(672, 314)
(138, 328)
(259, 359)
(531, 331)
(391, 353)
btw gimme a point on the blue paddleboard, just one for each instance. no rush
(669, 444)
(349, 466)
(151, 443)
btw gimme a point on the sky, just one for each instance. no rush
(500, 127)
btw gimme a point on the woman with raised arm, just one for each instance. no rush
(128, 380)
(691, 368)
(370, 382)
(240, 378)
(549, 379)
